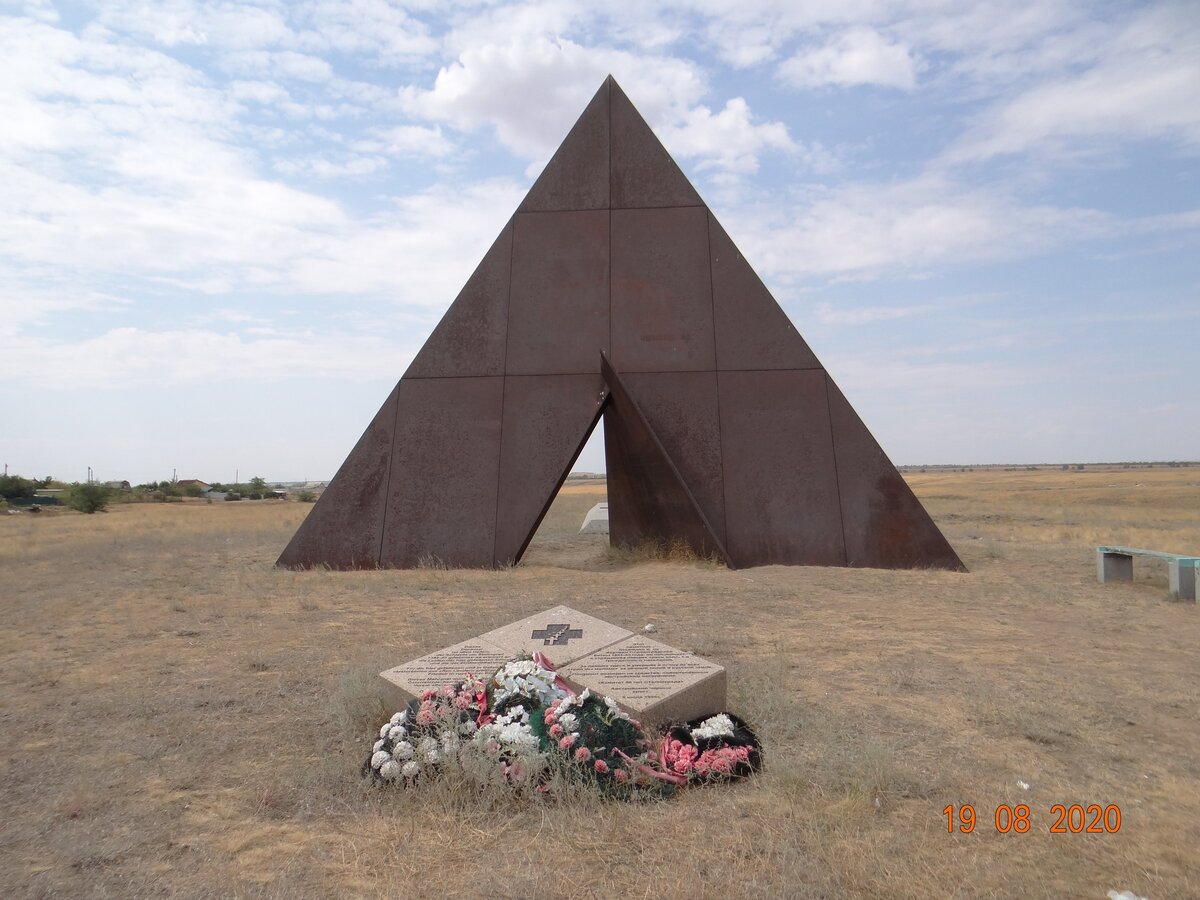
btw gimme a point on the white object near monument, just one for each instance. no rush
(596, 520)
(651, 681)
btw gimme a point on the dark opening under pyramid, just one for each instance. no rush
(614, 291)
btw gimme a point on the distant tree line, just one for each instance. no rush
(93, 496)
(85, 497)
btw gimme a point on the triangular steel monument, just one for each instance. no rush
(614, 291)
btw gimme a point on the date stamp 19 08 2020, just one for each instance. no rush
(1073, 819)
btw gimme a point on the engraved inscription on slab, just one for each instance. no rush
(653, 681)
(448, 666)
(562, 633)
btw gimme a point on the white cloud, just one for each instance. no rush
(728, 140)
(184, 22)
(419, 255)
(531, 90)
(40, 10)
(866, 315)
(867, 229)
(408, 141)
(377, 29)
(1127, 100)
(36, 300)
(266, 92)
(124, 357)
(278, 64)
(322, 167)
(855, 57)
(122, 163)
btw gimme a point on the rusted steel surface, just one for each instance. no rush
(441, 504)
(781, 484)
(647, 498)
(577, 175)
(722, 430)
(343, 529)
(661, 298)
(681, 408)
(886, 526)
(558, 309)
(471, 336)
(752, 332)
(643, 173)
(547, 420)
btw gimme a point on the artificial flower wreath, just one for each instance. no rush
(523, 723)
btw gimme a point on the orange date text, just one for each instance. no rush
(1062, 819)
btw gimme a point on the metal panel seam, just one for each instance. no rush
(837, 478)
(717, 373)
(512, 248)
(387, 491)
(610, 231)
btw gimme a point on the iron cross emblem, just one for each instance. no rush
(558, 635)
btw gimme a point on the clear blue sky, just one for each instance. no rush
(226, 228)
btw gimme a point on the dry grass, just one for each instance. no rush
(180, 718)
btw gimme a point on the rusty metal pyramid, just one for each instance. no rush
(614, 291)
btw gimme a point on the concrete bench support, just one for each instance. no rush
(1116, 564)
(1113, 566)
(1183, 579)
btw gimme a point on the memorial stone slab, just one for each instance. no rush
(651, 681)
(446, 666)
(562, 634)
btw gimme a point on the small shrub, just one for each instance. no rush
(89, 498)
(356, 705)
(306, 497)
(654, 550)
(14, 486)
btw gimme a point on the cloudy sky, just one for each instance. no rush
(226, 228)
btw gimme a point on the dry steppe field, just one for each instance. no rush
(182, 719)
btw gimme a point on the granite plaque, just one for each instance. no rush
(447, 666)
(653, 682)
(562, 634)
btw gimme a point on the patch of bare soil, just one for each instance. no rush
(182, 719)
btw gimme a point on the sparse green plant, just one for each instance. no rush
(89, 498)
(306, 497)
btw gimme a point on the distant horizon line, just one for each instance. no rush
(604, 472)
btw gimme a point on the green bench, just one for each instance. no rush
(1116, 564)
